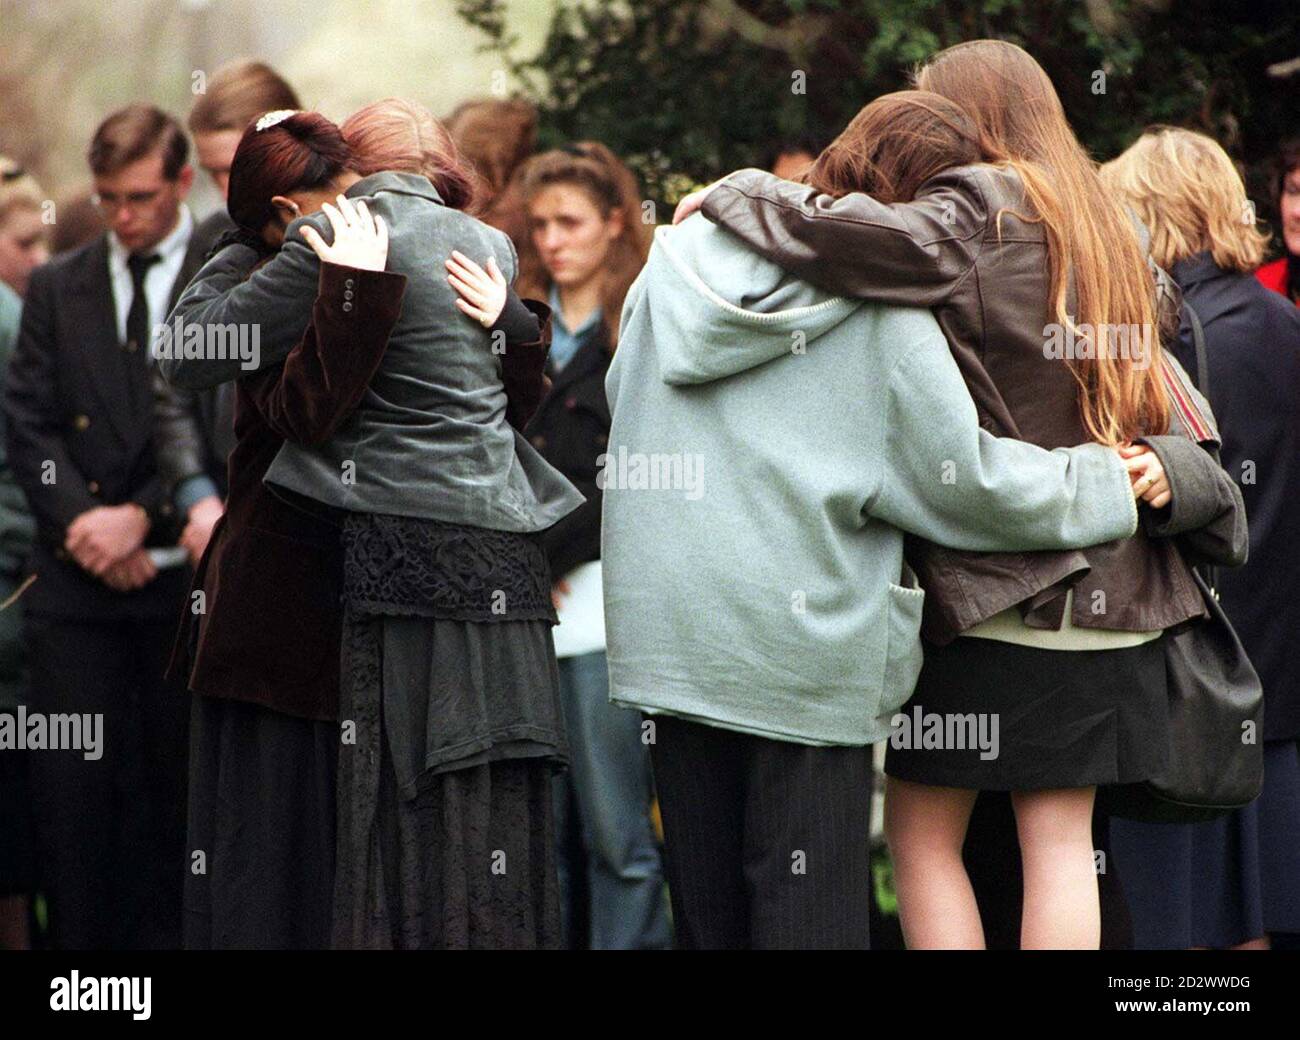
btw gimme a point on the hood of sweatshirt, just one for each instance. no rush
(721, 309)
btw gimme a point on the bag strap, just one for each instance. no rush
(1198, 344)
(1202, 380)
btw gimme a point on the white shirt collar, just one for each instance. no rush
(176, 242)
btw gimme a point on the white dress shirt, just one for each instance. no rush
(158, 280)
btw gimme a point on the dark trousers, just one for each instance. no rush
(766, 843)
(111, 831)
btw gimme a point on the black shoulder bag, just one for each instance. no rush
(1216, 707)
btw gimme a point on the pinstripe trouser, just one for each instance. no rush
(766, 843)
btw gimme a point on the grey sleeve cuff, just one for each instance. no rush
(192, 490)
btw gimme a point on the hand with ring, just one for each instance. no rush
(1150, 482)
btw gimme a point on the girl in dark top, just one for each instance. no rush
(585, 245)
(1060, 650)
(1234, 881)
(266, 626)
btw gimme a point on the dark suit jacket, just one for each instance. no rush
(75, 443)
(1252, 342)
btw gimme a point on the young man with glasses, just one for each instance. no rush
(102, 613)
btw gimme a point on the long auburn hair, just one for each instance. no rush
(598, 173)
(894, 145)
(1093, 246)
(397, 134)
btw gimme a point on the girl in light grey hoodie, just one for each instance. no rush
(771, 447)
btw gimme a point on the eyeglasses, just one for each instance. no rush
(133, 201)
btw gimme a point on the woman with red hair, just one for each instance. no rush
(448, 696)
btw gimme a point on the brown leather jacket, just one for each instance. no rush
(988, 287)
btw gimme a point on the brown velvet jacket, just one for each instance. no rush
(986, 282)
(264, 620)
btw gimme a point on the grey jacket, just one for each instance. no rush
(430, 438)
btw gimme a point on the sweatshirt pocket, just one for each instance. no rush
(903, 654)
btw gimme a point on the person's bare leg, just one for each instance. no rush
(925, 827)
(1062, 909)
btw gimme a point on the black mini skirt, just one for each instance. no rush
(996, 716)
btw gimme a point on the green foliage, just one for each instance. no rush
(690, 89)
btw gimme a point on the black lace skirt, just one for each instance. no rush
(451, 735)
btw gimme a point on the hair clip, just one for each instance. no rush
(269, 119)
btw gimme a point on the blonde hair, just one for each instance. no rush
(1091, 242)
(1188, 193)
(18, 188)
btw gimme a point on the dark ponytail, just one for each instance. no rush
(301, 151)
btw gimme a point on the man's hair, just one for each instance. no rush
(237, 94)
(134, 132)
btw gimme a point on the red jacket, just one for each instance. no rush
(1273, 276)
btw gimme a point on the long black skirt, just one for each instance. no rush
(261, 828)
(446, 829)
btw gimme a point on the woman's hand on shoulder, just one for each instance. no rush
(482, 293)
(360, 239)
(692, 203)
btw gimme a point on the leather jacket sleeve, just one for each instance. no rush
(910, 253)
(178, 438)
